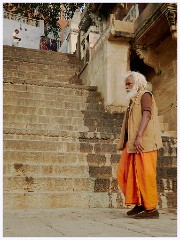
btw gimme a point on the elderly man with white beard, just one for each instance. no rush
(140, 139)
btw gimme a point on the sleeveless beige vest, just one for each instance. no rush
(152, 135)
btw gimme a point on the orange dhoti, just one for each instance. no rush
(136, 177)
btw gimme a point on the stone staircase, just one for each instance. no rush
(60, 141)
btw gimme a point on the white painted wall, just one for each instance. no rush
(71, 34)
(64, 46)
(30, 35)
(106, 70)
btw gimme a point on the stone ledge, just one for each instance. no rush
(27, 50)
(41, 132)
(97, 135)
(50, 84)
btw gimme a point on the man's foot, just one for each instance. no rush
(147, 214)
(137, 209)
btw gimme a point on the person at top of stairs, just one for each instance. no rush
(16, 39)
(140, 138)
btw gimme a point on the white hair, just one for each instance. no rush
(140, 82)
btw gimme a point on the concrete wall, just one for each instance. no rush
(30, 35)
(165, 85)
(109, 62)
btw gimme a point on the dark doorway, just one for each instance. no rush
(138, 65)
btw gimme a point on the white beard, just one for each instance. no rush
(130, 94)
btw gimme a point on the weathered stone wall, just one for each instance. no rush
(109, 62)
(165, 85)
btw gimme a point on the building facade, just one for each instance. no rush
(118, 37)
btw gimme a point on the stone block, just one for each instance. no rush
(166, 172)
(167, 161)
(171, 200)
(100, 172)
(86, 147)
(96, 160)
(105, 148)
(101, 185)
(115, 158)
(114, 186)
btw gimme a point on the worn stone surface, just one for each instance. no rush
(60, 141)
(96, 222)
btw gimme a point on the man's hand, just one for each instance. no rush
(138, 144)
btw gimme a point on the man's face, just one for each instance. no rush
(129, 83)
(17, 31)
(130, 88)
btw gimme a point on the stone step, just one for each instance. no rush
(60, 159)
(23, 129)
(60, 119)
(39, 77)
(36, 144)
(63, 159)
(35, 52)
(56, 125)
(44, 129)
(44, 96)
(63, 132)
(20, 64)
(18, 200)
(169, 133)
(19, 69)
(167, 161)
(45, 119)
(43, 63)
(47, 112)
(45, 77)
(50, 184)
(23, 71)
(45, 170)
(20, 85)
(168, 173)
(32, 54)
(46, 103)
(56, 200)
(48, 157)
(58, 145)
